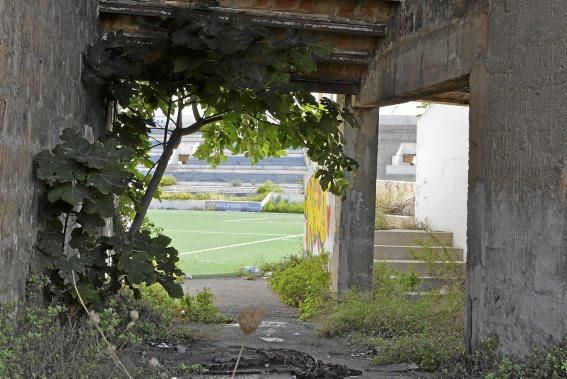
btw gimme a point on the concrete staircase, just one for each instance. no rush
(237, 169)
(395, 247)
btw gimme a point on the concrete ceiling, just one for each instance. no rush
(352, 27)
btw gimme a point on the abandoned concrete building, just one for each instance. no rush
(505, 59)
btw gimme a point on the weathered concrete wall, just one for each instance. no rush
(430, 47)
(517, 220)
(41, 47)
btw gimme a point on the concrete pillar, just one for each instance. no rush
(353, 259)
(517, 218)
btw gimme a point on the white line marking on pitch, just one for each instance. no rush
(235, 233)
(247, 219)
(240, 244)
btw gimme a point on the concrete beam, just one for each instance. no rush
(272, 19)
(430, 49)
(353, 263)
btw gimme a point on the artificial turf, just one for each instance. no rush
(221, 243)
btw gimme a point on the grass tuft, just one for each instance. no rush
(280, 205)
(167, 180)
(267, 187)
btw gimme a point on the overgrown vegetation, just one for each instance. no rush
(390, 203)
(427, 330)
(209, 196)
(279, 205)
(49, 340)
(167, 180)
(81, 181)
(301, 282)
(197, 308)
(485, 362)
(267, 187)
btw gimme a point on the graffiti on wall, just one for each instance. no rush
(317, 216)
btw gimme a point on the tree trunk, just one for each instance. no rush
(171, 145)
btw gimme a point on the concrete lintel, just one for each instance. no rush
(429, 50)
(273, 19)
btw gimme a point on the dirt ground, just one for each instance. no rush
(282, 344)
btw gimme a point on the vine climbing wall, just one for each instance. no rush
(41, 93)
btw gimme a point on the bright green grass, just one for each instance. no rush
(216, 232)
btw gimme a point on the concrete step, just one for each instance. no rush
(227, 168)
(405, 265)
(233, 177)
(405, 237)
(400, 222)
(405, 252)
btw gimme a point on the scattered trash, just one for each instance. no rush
(273, 324)
(252, 270)
(161, 345)
(271, 339)
(180, 349)
(154, 362)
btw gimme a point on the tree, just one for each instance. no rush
(236, 78)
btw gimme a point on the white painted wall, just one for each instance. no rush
(442, 170)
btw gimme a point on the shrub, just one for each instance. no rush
(167, 180)
(303, 283)
(280, 205)
(197, 308)
(268, 187)
(427, 330)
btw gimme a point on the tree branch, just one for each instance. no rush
(202, 122)
(196, 114)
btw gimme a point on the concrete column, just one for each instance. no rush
(517, 218)
(353, 259)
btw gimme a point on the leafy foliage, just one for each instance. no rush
(240, 76)
(81, 181)
(303, 283)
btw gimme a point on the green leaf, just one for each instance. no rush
(66, 266)
(90, 222)
(57, 166)
(112, 178)
(136, 266)
(173, 289)
(50, 243)
(72, 143)
(102, 204)
(70, 193)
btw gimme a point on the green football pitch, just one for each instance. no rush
(221, 243)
